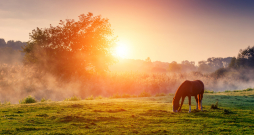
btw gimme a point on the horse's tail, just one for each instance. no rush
(200, 97)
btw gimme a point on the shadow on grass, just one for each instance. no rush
(86, 120)
(77, 106)
(111, 111)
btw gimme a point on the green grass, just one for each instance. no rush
(142, 115)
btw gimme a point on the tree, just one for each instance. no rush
(148, 60)
(232, 64)
(174, 67)
(72, 48)
(245, 59)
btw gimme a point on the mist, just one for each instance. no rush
(18, 81)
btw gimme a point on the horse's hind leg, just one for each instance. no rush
(200, 97)
(196, 97)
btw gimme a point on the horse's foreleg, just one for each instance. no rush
(189, 97)
(196, 97)
(181, 104)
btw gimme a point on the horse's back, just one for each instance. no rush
(191, 88)
(198, 87)
(184, 88)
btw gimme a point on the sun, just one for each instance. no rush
(121, 50)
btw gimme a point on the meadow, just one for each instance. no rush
(139, 115)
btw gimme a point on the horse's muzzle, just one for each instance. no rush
(175, 111)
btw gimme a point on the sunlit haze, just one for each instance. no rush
(164, 30)
(121, 50)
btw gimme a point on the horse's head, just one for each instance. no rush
(175, 106)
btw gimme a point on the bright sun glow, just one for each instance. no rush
(121, 50)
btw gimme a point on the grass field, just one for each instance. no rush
(146, 115)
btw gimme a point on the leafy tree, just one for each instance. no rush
(245, 59)
(232, 64)
(188, 66)
(2, 42)
(148, 60)
(174, 67)
(73, 47)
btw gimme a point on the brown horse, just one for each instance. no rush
(189, 88)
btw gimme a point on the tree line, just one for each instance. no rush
(10, 51)
(16, 45)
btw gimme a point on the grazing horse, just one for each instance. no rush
(189, 88)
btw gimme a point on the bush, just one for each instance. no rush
(208, 91)
(126, 96)
(215, 106)
(90, 98)
(99, 97)
(171, 94)
(160, 94)
(116, 96)
(248, 89)
(74, 98)
(5, 103)
(226, 111)
(144, 94)
(45, 100)
(27, 100)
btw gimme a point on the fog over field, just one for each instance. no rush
(17, 80)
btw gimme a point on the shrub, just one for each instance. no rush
(134, 96)
(5, 103)
(215, 106)
(171, 94)
(248, 89)
(116, 96)
(74, 98)
(208, 91)
(45, 100)
(27, 100)
(99, 97)
(226, 111)
(144, 94)
(126, 96)
(90, 98)
(160, 94)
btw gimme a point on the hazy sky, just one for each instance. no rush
(164, 30)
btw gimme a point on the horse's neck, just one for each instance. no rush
(177, 97)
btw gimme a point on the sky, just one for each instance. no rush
(164, 30)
